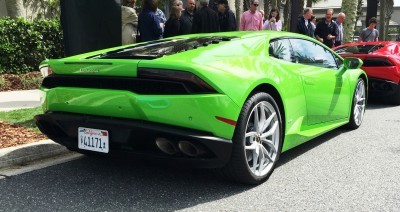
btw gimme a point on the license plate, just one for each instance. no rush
(93, 139)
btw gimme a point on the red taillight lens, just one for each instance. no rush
(46, 70)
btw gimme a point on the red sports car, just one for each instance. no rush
(382, 64)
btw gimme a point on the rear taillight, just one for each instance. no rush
(46, 70)
(192, 83)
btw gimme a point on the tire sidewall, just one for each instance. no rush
(352, 123)
(240, 131)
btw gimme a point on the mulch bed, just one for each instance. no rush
(14, 81)
(14, 135)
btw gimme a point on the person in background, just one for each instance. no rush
(263, 15)
(129, 22)
(149, 23)
(205, 19)
(160, 14)
(227, 20)
(339, 21)
(370, 33)
(326, 30)
(273, 22)
(303, 23)
(173, 25)
(187, 17)
(251, 20)
(313, 22)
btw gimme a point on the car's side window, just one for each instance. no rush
(281, 49)
(310, 53)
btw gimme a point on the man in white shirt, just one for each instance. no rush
(339, 21)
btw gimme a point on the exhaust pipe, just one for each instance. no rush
(190, 149)
(166, 146)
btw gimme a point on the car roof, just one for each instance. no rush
(370, 43)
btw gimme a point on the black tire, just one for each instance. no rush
(359, 104)
(238, 168)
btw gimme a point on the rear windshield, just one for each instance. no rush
(160, 48)
(359, 49)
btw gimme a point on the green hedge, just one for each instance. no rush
(24, 44)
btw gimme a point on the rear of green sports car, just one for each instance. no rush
(232, 101)
(145, 98)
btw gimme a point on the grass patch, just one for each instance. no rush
(22, 117)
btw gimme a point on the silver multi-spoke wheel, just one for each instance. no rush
(262, 138)
(358, 106)
(257, 141)
(359, 103)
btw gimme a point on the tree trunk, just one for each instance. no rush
(274, 3)
(287, 16)
(381, 20)
(239, 11)
(349, 7)
(359, 12)
(372, 10)
(294, 4)
(301, 6)
(309, 3)
(15, 8)
(388, 11)
(266, 8)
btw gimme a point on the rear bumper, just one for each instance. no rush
(133, 138)
(382, 88)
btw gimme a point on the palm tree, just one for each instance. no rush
(359, 12)
(266, 7)
(239, 11)
(286, 10)
(15, 8)
(349, 7)
(301, 6)
(274, 3)
(311, 2)
(386, 11)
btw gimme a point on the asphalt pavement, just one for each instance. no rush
(14, 100)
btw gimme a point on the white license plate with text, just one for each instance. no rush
(93, 139)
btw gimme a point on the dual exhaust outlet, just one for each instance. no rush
(186, 147)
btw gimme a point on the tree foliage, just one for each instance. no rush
(24, 44)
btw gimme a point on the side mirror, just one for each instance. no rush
(352, 63)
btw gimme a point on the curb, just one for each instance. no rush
(28, 152)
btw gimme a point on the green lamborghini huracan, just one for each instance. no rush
(232, 101)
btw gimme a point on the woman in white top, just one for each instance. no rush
(273, 22)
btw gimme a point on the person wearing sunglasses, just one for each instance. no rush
(251, 20)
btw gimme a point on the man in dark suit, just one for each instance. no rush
(304, 24)
(186, 19)
(205, 19)
(227, 20)
(326, 30)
